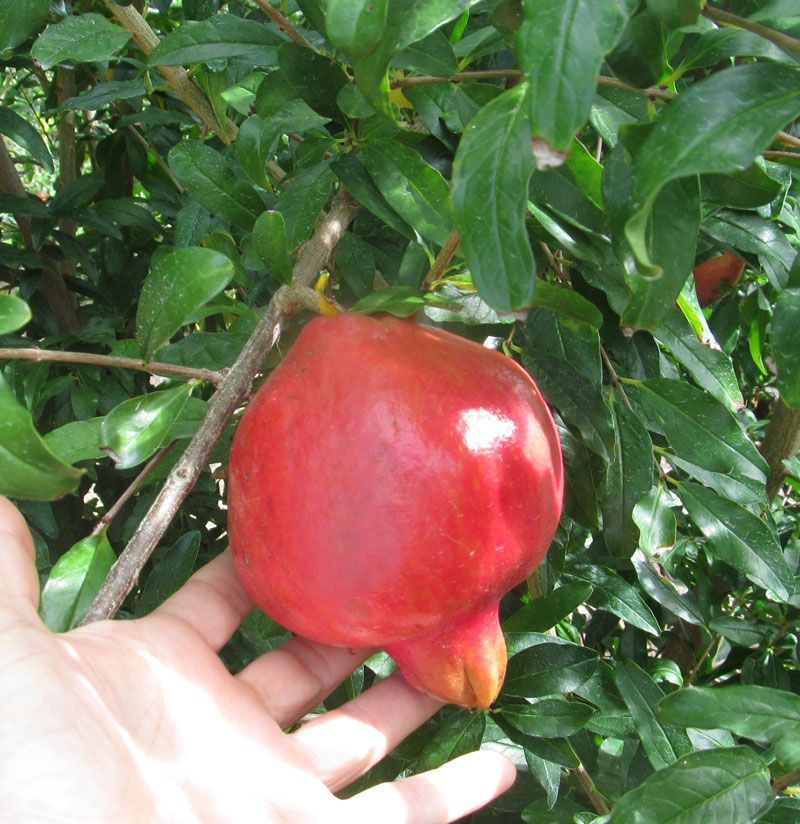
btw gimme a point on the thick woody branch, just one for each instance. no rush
(166, 369)
(443, 259)
(229, 396)
(781, 442)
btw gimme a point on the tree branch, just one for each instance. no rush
(785, 781)
(590, 791)
(442, 259)
(167, 369)
(283, 23)
(229, 396)
(781, 442)
(776, 37)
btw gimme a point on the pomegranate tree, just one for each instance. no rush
(388, 483)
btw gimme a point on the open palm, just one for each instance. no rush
(140, 721)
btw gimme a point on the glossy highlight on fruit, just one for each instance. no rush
(711, 275)
(388, 483)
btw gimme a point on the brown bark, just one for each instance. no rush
(781, 442)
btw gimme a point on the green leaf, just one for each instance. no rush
(180, 283)
(355, 264)
(738, 538)
(353, 173)
(28, 469)
(738, 631)
(74, 581)
(224, 35)
(208, 178)
(491, 171)
(641, 694)
(135, 429)
(316, 78)
(76, 441)
(747, 189)
(656, 521)
(82, 38)
(255, 146)
(700, 428)
(713, 785)
(616, 595)
(786, 345)
(23, 134)
(719, 124)
(662, 589)
(676, 13)
(561, 45)
(355, 26)
(629, 476)
(547, 774)
(270, 244)
(14, 314)
(549, 668)
(170, 572)
(461, 733)
(566, 302)
(433, 55)
(546, 611)
(548, 717)
(20, 18)
(303, 201)
(402, 301)
(708, 365)
(415, 190)
(104, 93)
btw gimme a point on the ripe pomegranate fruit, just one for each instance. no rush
(388, 483)
(724, 268)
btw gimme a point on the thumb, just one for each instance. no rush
(19, 583)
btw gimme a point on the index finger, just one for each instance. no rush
(19, 583)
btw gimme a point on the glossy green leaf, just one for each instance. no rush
(104, 93)
(700, 428)
(14, 314)
(719, 124)
(28, 469)
(713, 785)
(655, 520)
(461, 733)
(641, 694)
(546, 611)
(415, 190)
(708, 365)
(255, 146)
(271, 245)
(548, 717)
(135, 429)
(738, 631)
(676, 13)
(663, 590)
(316, 78)
(20, 18)
(170, 572)
(355, 264)
(629, 476)
(224, 35)
(23, 134)
(302, 203)
(738, 488)
(74, 581)
(561, 45)
(76, 441)
(566, 302)
(209, 179)
(611, 592)
(748, 189)
(738, 538)
(491, 171)
(402, 301)
(355, 26)
(180, 283)
(786, 345)
(549, 668)
(433, 55)
(81, 38)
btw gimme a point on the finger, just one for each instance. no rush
(344, 743)
(212, 602)
(439, 796)
(297, 676)
(19, 583)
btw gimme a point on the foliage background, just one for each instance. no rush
(545, 173)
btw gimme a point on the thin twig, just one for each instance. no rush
(701, 660)
(770, 153)
(443, 259)
(788, 139)
(614, 377)
(590, 791)
(788, 780)
(112, 513)
(157, 155)
(166, 369)
(776, 37)
(283, 23)
(223, 403)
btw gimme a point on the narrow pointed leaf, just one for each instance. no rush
(270, 244)
(786, 345)
(23, 134)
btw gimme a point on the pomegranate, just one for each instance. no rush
(709, 275)
(388, 483)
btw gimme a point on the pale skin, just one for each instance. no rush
(139, 721)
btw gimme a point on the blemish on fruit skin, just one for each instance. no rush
(248, 559)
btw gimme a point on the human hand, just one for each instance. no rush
(139, 720)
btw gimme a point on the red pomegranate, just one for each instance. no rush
(388, 483)
(711, 274)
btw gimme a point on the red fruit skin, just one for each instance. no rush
(388, 483)
(709, 275)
